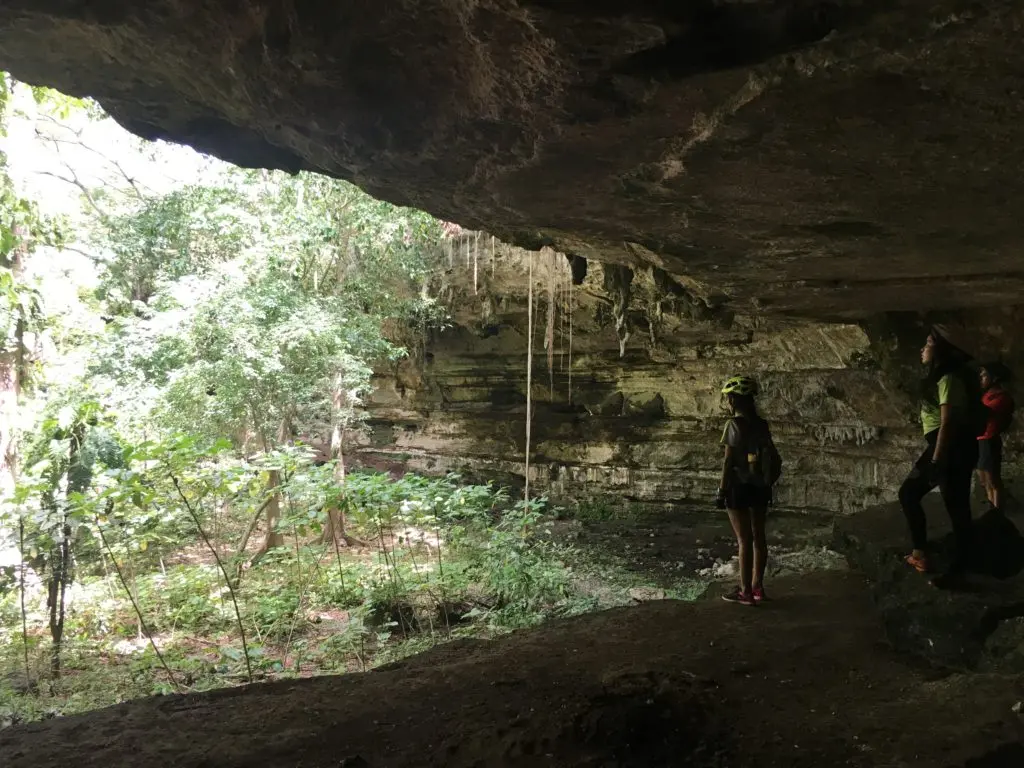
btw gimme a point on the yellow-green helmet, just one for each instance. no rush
(740, 385)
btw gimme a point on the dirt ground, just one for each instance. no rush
(696, 545)
(807, 680)
(812, 678)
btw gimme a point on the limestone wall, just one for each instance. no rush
(643, 424)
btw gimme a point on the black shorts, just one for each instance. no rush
(990, 455)
(745, 496)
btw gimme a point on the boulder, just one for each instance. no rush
(971, 625)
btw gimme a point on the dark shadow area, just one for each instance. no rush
(1004, 757)
(663, 684)
(719, 36)
(975, 624)
(998, 547)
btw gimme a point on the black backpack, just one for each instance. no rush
(764, 463)
(977, 414)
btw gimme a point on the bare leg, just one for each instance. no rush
(740, 519)
(758, 517)
(985, 478)
(996, 476)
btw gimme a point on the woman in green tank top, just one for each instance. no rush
(950, 452)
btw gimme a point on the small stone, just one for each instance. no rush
(644, 594)
(1018, 707)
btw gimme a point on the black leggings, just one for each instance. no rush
(954, 481)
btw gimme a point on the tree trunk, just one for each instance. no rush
(60, 575)
(60, 558)
(275, 539)
(9, 396)
(336, 527)
(13, 376)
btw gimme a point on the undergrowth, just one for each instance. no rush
(441, 561)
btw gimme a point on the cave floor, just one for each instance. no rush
(684, 550)
(806, 680)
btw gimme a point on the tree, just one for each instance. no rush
(22, 229)
(255, 310)
(155, 239)
(218, 331)
(61, 466)
(252, 308)
(377, 260)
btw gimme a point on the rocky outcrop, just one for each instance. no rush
(977, 626)
(832, 159)
(626, 390)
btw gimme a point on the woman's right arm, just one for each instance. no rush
(725, 468)
(945, 427)
(730, 439)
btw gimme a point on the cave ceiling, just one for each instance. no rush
(825, 159)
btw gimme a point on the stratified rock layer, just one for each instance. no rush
(824, 158)
(626, 388)
(634, 411)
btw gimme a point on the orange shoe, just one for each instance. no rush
(919, 564)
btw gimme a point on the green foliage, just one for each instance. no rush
(235, 326)
(257, 308)
(444, 560)
(596, 510)
(185, 599)
(22, 229)
(165, 238)
(20, 306)
(22, 226)
(63, 106)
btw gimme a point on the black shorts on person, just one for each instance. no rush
(746, 496)
(990, 455)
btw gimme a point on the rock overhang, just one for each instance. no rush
(825, 159)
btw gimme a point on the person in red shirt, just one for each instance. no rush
(1000, 405)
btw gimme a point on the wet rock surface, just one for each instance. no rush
(828, 159)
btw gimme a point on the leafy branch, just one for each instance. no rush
(131, 597)
(220, 564)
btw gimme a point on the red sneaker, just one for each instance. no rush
(919, 564)
(759, 595)
(739, 596)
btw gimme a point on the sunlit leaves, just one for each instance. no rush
(156, 240)
(287, 282)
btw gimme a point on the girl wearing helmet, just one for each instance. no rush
(745, 490)
(951, 448)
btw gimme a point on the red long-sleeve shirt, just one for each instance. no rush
(1000, 405)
